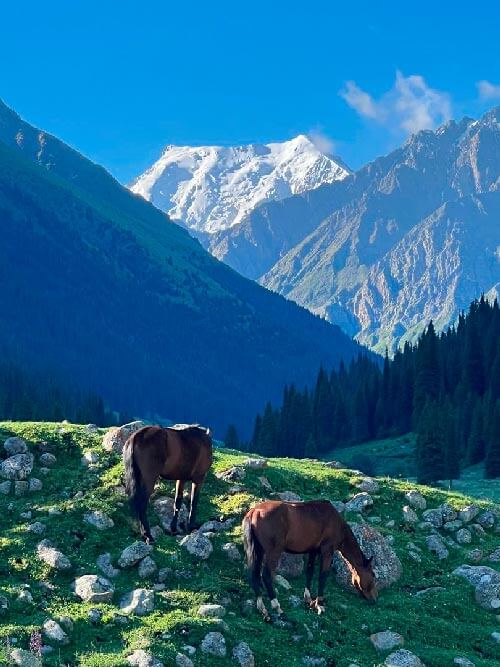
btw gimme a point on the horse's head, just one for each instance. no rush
(363, 580)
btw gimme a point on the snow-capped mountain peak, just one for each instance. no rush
(212, 188)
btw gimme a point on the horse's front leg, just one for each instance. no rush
(179, 490)
(326, 563)
(309, 576)
(195, 496)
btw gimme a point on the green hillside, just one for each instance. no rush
(437, 626)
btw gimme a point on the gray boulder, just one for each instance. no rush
(18, 466)
(93, 588)
(15, 445)
(53, 632)
(231, 551)
(257, 464)
(368, 484)
(140, 601)
(197, 544)
(234, 474)
(416, 499)
(288, 496)
(409, 515)
(386, 640)
(486, 582)
(24, 658)
(359, 502)
(403, 658)
(486, 519)
(434, 517)
(212, 610)
(386, 564)
(115, 438)
(99, 520)
(141, 658)
(466, 514)
(243, 655)
(182, 660)
(134, 553)
(290, 565)
(21, 487)
(5, 487)
(47, 459)
(34, 484)
(164, 508)
(37, 528)
(214, 644)
(147, 567)
(436, 546)
(103, 562)
(463, 536)
(52, 556)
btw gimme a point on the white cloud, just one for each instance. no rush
(322, 142)
(488, 90)
(410, 105)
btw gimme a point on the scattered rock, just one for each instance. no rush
(197, 544)
(53, 632)
(474, 556)
(182, 660)
(288, 497)
(387, 640)
(99, 520)
(386, 564)
(134, 553)
(312, 661)
(409, 515)
(359, 502)
(234, 474)
(431, 589)
(4, 605)
(92, 588)
(468, 513)
(436, 546)
(115, 438)
(368, 484)
(164, 574)
(338, 505)
(47, 459)
(21, 487)
(15, 445)
(495, 636)
(486, 582)
(403, 658)
(147, 567)
(231, 551)
(139, 601)
(214, 644)
(141, 658)
(25, 597)
(290, 565)
(164, 508)
(216, 526)
(257, 464)
(448, 512)
(463, 536)
(25, 658)
(212, 610)
(52, 556)
(450, 526)
(5, 488)
(486, 519)
(90, 458)
(495, 556)
(265, 483)
(416, 499)
(34, 484)
(336, 465)
(464, 662)
(279, 580)
(103, 562)
(434, 517)
(18, 466)
(243, 655)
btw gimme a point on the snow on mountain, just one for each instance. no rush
(212, 188)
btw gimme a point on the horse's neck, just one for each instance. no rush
(350, 548)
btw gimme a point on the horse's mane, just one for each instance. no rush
(186, 428)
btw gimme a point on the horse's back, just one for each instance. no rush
(189, 453)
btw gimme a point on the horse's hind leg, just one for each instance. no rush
(142, 514)
(179, 489)
(267, 575)
(256, 580)
(195, 496)
(309, 576)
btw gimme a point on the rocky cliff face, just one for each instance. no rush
(412, 236)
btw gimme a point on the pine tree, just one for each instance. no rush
(476, 446)
(430, 456)
(310, 450)
(268, 432)
(231, 439)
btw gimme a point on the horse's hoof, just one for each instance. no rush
(149, 539)
(317, 607)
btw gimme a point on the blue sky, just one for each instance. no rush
(119, 80)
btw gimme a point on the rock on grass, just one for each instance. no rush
(134, 553)
(25, 658)
(52, 556)
(92, 588)
(99, 520)
(243, 655)
(197, 544)
(386, 640)
(214, 644)
(142, 658)
(140, 601)
(403, 658)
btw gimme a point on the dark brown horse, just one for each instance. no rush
(181, 453)
(314, 528)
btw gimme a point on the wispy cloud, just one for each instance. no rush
(488, 90)
(410, 105)
(322, 142)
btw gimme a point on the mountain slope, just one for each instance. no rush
(411, 236)
(99, 283)
(212, 188)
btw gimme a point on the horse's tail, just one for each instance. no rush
(134, 483)
(251, 544)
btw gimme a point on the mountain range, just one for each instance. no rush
(410, 237)
(101, 285)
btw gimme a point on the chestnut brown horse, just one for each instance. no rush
(314, 528)
(182, 453)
